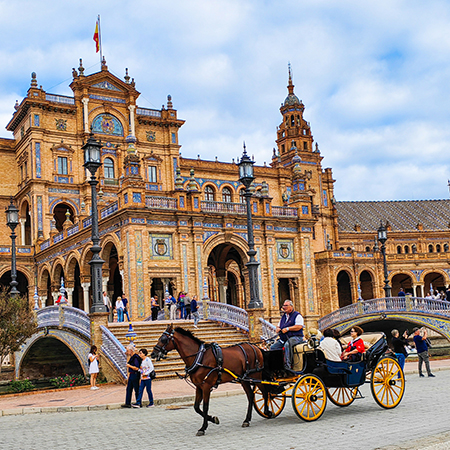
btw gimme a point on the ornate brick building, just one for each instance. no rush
(168, 222)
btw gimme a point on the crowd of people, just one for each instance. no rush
(433, 294)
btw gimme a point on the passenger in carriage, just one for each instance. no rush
(290, 331)
(330, 346)
(355, 347)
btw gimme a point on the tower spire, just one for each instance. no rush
(290, 85)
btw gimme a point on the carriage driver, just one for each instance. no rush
(290, 331)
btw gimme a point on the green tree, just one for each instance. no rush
(17, 323)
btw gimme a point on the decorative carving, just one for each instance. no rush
(61, 124)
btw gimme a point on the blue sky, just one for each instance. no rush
(373, 76)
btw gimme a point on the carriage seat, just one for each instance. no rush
(297, 356)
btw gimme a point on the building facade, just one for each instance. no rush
(169, 223)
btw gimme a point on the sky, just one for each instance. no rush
(373, 75)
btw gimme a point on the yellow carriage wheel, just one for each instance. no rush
(342, 396)
(387, 383)
(309, 398)
(276, 403)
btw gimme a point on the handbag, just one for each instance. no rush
(152, 375)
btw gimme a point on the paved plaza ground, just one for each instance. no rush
(420, 422)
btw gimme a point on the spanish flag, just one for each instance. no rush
(96, 38)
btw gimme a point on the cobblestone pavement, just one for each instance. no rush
(421, 421)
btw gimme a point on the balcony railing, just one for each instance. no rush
(284, 211)
(60, 99)
(223, 207)
(111, 209)
(160, 202)
(148, 112)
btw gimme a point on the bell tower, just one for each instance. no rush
(294, 133)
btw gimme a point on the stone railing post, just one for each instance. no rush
(255, 330)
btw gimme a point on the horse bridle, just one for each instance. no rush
(165, 338)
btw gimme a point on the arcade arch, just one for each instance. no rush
(344, 289)
(402, 280)
(366, 285)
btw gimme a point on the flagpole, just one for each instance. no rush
(100, 41)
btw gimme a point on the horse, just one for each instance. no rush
(208, 366)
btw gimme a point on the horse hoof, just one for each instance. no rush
(245, 425)
(216, 420)
(200, 433)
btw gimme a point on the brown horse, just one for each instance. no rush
(244, 361)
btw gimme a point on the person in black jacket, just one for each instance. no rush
(398, 344)
(134, 376)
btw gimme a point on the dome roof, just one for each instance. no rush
(291, 100)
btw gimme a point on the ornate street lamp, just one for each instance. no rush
(246, 177)
(382, 237)
(12, 220)
(92, 162)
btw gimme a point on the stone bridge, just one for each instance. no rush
(384, 314)
(63, 342)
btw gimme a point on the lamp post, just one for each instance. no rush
(382, 237)
(12, 220)
(246, 177)
(92, 162)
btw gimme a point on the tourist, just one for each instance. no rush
(399, 346)
(401, 293)
(422, 350)
(173, 307)
(106, 301)
(134, 364)
(330, 346)
(125, 306)
(119, 309)
(355, 347)
(93, 367)
(180, 305)
(155, 307)
(194, 310)
(290, 332)
(146, 381)
(187, 306)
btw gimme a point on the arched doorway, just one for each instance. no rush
(49, 357)
(114, 286)
(366, 285)
(283, 291)
(401, 280)
(45, 289)
(434, 281)
(344, 289)
(226, 267)
(59, 215)
(21, 279)
(25, 224)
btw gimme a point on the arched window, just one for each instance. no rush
(367, 249)
(305, 146)
(209, 194)
(108, 168)
(406, 249)
(438, 248)
(445, 247)
(341, 249)
(399, 249)
(292, 121)
(242, 196)
(430, 249)
(226, 195)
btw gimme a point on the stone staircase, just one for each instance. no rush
(148, 334)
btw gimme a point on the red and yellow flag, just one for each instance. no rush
(96, 38)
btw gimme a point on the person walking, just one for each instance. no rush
(422, 350)
(173, 308)
(146, 381)
(180, 305)
(119, 309)
(134, 376)
(155, 307)
(290, 332)
(93, 367)
(106, 301)
(194, 310)
(187, 306)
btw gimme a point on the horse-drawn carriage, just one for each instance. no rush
(317, 379)
(268, 384)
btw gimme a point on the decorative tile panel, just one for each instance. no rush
(37, 152)
(272, 277)
(107, 124)
(309, 274)
(108, 99)
(160, 246)
(185, 268)
(285, 250)
(106, 85)
(137, 198)
(139, 274)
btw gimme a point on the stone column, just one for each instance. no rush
(85, 102)
(254, 325)
(222, 281)
(132, 108)
(85, 287)
(22, 231)
(69, 291)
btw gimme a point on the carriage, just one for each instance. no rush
(317, 379)
(268, 385)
